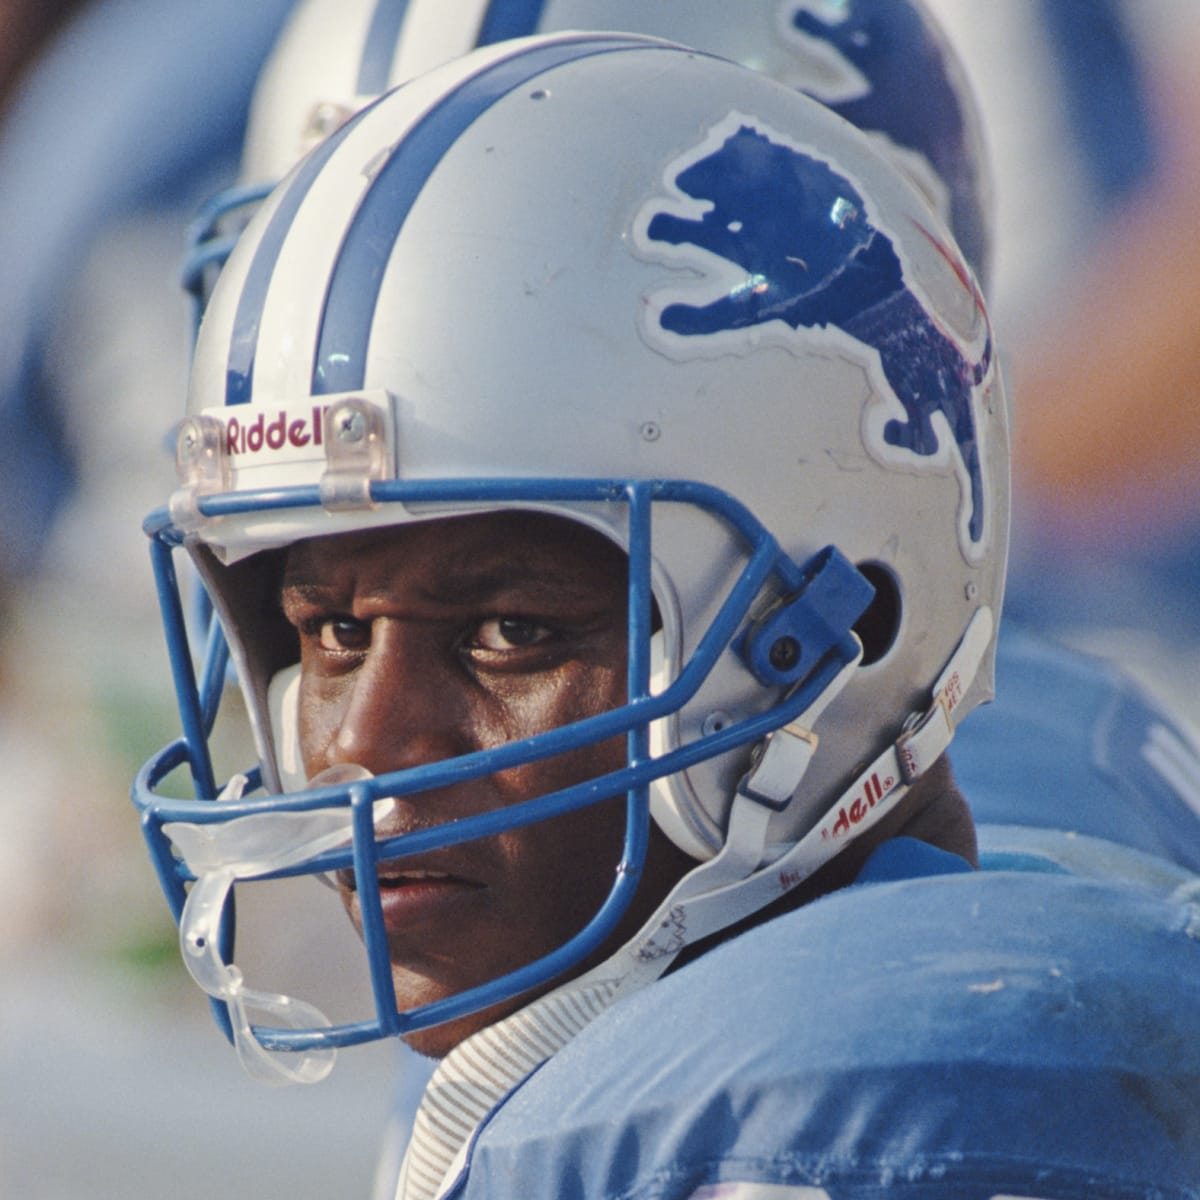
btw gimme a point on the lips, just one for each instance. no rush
(393, 875)
(412, 896)
(388, 879)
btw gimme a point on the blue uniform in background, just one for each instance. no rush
(1073, 743)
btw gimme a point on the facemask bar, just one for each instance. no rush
(211, 237)
(822, 600)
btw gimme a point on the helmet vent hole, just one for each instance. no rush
(878, 626)
(716, 722)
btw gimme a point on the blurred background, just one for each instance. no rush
(117, 118)
(1092, 112)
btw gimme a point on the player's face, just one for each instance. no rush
(423, 642)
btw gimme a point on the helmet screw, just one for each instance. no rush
(326, 118)
(350, 424)
(971, 590)
(189, 440)
(784, 653)
(650, 431)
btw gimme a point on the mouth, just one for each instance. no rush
(392, 879)
(392, 876)
(410, 896)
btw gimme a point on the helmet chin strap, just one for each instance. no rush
(743, 878)
(200, 938)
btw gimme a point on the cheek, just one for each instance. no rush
(563, 869)
(563, 700)
(573, 693)
(572, 857)
(319, 717)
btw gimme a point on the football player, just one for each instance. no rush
(598, 459)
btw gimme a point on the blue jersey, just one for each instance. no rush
(1006, 1033)
(1073, 743)
(1086, 794)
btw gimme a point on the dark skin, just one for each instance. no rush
(424, 642)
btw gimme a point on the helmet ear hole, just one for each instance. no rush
(878, 626)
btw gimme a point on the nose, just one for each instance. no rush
(401, 707)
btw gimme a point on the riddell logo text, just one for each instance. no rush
(280, 431)
(851, 814)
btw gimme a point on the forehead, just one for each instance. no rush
(472, 552)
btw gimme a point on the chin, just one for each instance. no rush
(436, 1042)
(439, 1040)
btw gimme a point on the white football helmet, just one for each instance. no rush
(860, 57)
(734, 339)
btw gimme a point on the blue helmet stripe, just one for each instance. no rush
(244, 341)
(506, 19)
(379, 50)
(340, 361)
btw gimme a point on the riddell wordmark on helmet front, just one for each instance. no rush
(271, 432)
(784, 247)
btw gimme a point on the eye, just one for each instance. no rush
(509, 633)
(343, 633)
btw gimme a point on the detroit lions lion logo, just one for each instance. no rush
(787, 249)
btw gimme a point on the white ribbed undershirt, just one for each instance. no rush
(478, 1072)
